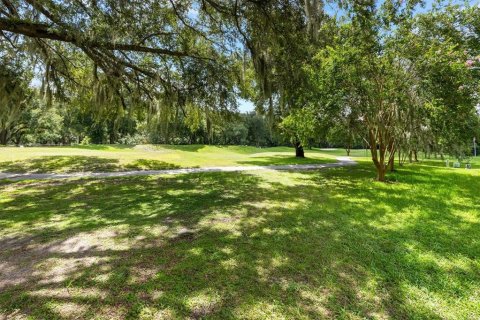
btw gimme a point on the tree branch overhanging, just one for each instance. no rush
(46, 31)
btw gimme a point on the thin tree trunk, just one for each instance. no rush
(348, 148)
(209, 131)
(379, 156)
(379, 163)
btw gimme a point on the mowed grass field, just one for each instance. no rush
(319, 244)
(148, 157)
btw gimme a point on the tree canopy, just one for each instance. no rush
(386, 74)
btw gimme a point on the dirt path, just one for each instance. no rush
(342, 161)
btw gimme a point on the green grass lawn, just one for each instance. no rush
(147, 157)
(257, 245)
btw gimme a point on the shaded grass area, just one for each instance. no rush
(361, 153)
(289, 245)
(282, 160)
(146, 157)
(437, 162)
(81, 164)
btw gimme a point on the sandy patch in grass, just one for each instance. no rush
(69, 310)
(29, 258)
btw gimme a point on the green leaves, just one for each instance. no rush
(300, 126)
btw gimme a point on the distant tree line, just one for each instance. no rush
(55, 125)
(39, 124)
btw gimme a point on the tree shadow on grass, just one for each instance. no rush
(284, 160)
(60, 164)
(328, 244)
(49, 164)
(101, 146)
(231, 148)
(184, 147)
(149, 164)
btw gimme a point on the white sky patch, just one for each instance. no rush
(193, 13)
(37, 77)
(245, 106)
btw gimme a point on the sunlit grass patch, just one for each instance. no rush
(265, 244)
(104, 158)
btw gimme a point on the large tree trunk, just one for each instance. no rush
(379, 165)
(111, 137)
(381, 172)
(299, 153)
(3, 137)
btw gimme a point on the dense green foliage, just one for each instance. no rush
(15, 100)
(382, 74)
(403, 81)
(65, 125)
